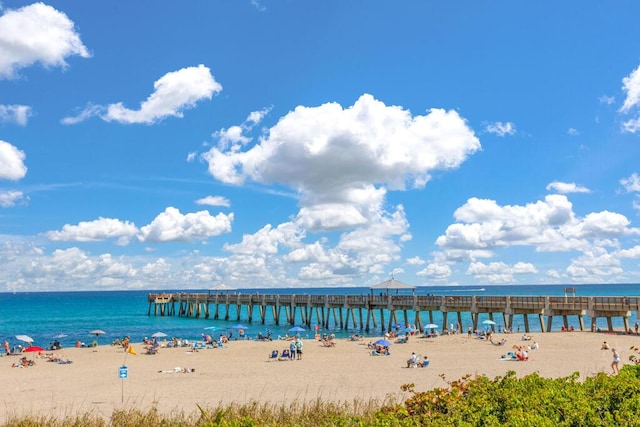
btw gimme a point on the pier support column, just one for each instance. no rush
(541, 319)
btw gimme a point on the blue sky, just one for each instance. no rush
(305, 144)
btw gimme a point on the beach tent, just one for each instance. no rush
(392, 284)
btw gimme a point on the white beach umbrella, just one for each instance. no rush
(25, 338)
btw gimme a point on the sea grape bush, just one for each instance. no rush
(602, 400)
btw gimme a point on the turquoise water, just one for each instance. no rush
(44, 315)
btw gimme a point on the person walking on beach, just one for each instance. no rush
(616, 361)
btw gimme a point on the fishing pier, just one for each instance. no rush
(368, 311)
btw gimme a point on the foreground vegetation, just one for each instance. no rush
(602, 400)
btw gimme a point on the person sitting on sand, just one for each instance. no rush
(526, 337)
(534, 346)
(413, 361)
(604, 346)
(424, 363)
(328, 343)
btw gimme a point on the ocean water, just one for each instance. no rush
(44, 315)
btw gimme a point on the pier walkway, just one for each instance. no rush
(367, 311)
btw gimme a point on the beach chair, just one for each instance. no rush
(273, 355)
(286, 355)
(414, 361)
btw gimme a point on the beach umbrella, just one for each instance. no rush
(297, 329)
(159, 335)
(430, 326)
(488, 322)
(97, 333)
(239, 326)
(25, 338)
(383, 343)
(33, 349)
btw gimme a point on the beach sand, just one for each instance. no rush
(242, 373)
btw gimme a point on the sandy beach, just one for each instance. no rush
(242, 372)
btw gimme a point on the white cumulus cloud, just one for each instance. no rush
(11, 162)
(37, 33)
(499, 272)
(18, 114)
(214, 201)
(501, 128)
(631, 86)
(173, 93)
(632, 183)
(9, 198)
(546, 226)
(173, 226)
(97, 230)
(567, 187)
(345, 159)
(436, 272)
(234, 137)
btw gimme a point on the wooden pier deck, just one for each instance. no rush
(367, 311)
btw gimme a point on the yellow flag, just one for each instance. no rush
(131, 350)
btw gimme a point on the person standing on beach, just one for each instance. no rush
(616, 361)
(292, 349)
(299, 348)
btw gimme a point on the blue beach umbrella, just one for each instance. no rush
(383, 343)
(239, 326)
(297, 329)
